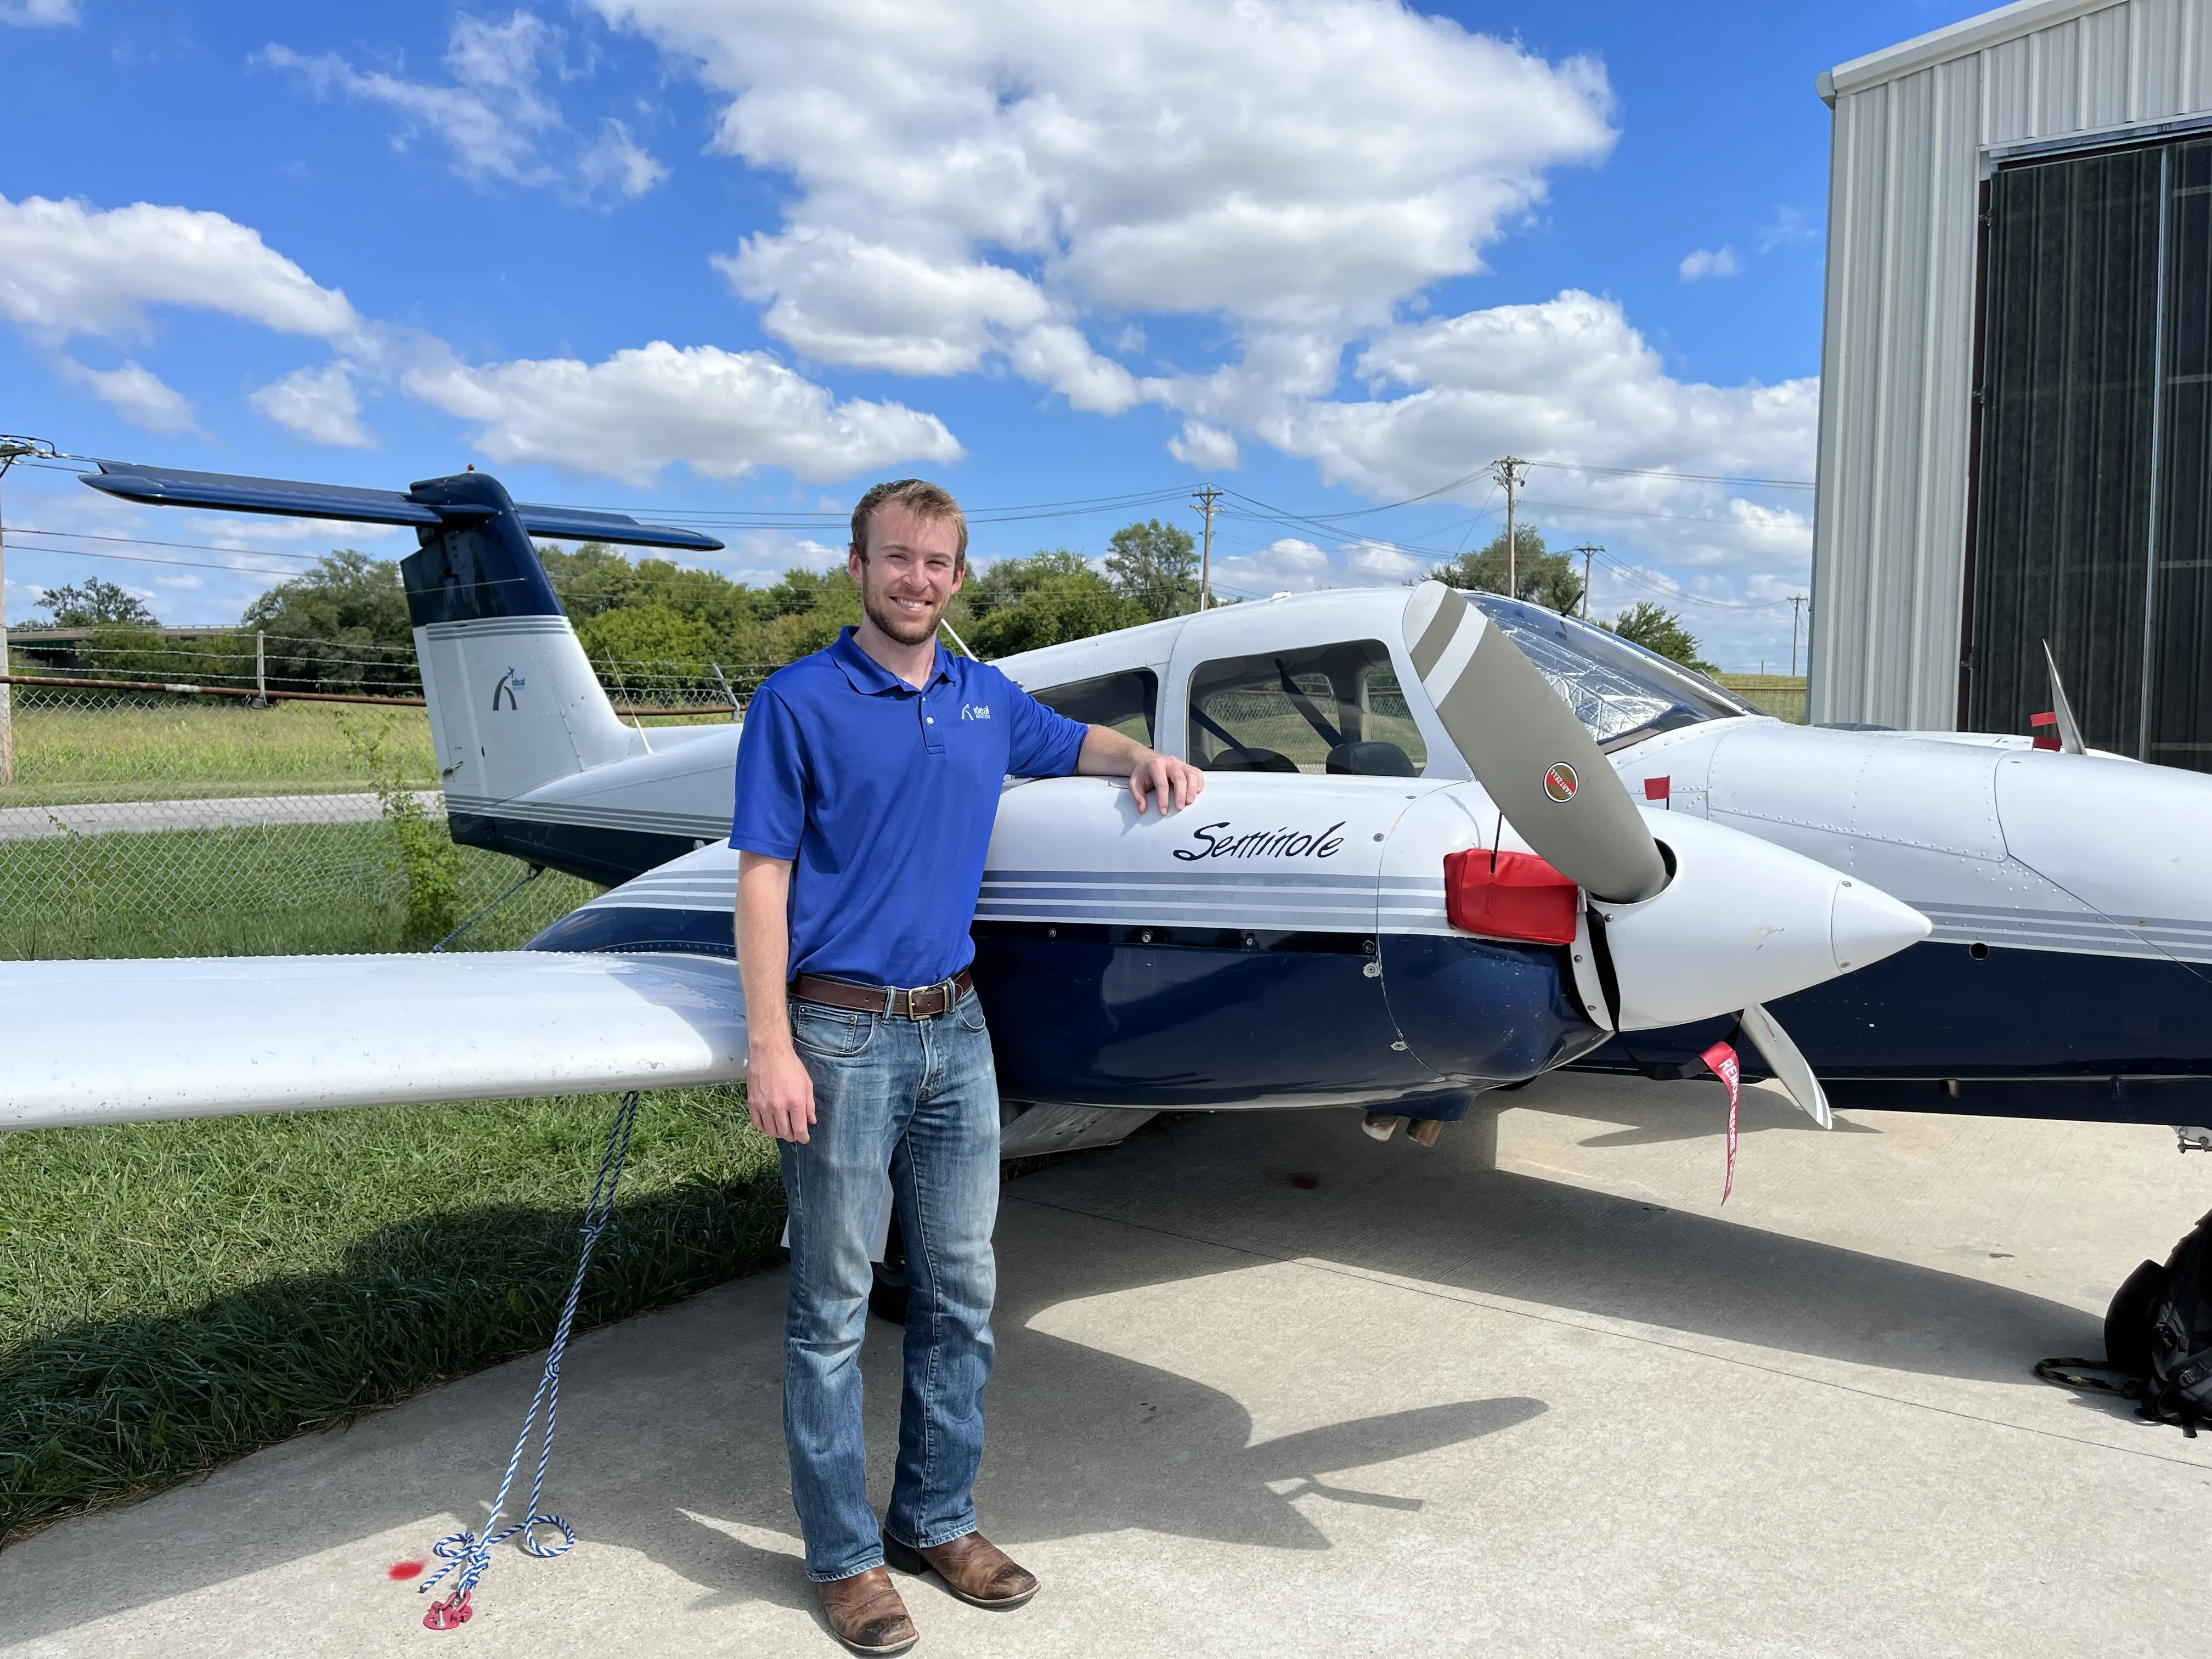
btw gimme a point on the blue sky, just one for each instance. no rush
(736, 260)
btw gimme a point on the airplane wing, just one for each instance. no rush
(126, 1041)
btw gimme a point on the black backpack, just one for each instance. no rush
(2159, 1331)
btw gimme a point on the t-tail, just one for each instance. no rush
(518, 715)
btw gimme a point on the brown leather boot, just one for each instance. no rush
(973, 1568)
(865, 1613)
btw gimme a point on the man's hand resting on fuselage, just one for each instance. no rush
(1152, 776)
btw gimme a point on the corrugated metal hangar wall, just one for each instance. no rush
(2016, 384)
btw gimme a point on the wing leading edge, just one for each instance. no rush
(128, 1041)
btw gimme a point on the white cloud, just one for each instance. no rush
(1300, 167)
(40, 14)
(489, 118)
(1290, 565)
(1565, 381)
(1056, 354)
(138, 395)
(492, 117)
(841, 300)
(318, 404)
(66, 267)
(1383, 561)
(720, 413)
(1709, 262)
(1788, 228)
(1206, 448)
(617, 164)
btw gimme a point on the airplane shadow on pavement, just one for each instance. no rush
(672, 1442)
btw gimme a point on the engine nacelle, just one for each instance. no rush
(1742, 920)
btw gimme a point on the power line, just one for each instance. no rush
(1635, 512)
(1685, 478)
(1644, 581)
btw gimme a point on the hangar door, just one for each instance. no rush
(2092, 508)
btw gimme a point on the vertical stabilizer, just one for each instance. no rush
(513, 701)
(514, 705)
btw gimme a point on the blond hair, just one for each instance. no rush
(932, 503)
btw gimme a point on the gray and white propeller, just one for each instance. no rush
(1539, 765)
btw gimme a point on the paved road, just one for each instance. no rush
(1533, 1393)
(148, 816)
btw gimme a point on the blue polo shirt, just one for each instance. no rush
(882, 797)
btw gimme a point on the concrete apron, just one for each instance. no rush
(1530, 1393)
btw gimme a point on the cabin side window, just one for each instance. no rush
(1328, 708)
(1129, 701)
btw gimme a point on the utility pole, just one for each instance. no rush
(1588, 550)
(1208, 504)
(12, 450)
(1507, 471)
(1797, 602)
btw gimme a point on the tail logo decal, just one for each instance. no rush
(509, 683)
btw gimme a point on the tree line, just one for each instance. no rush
(341, 625)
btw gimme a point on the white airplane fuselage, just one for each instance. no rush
(2068, 973)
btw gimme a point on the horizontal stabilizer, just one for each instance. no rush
(128, 1041)
(157, 486)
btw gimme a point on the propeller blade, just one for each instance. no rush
(2070, 729)
(1538, 762)
(1787, 1064)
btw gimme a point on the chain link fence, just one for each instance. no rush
(143, 821)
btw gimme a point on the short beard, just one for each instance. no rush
(907, 631)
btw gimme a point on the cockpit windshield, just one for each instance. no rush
(1623, 693)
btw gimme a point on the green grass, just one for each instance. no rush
(284, 890)
(1781, 695)
(73, 747)
(76, 746)
(172, 1295)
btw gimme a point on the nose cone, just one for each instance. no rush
(1865, 925)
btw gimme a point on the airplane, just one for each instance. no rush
(1450, 841)
(1393, 935)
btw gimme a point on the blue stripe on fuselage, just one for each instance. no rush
(1107, 1016)
(608, 857)
(2022, 1033)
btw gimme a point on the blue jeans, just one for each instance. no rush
(918, 1098)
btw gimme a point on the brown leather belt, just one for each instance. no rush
(923, 1002)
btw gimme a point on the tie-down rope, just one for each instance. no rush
(470, 1553)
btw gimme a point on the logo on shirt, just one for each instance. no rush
(1224, 841)
(974, 711)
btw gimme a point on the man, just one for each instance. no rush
(867, 780)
